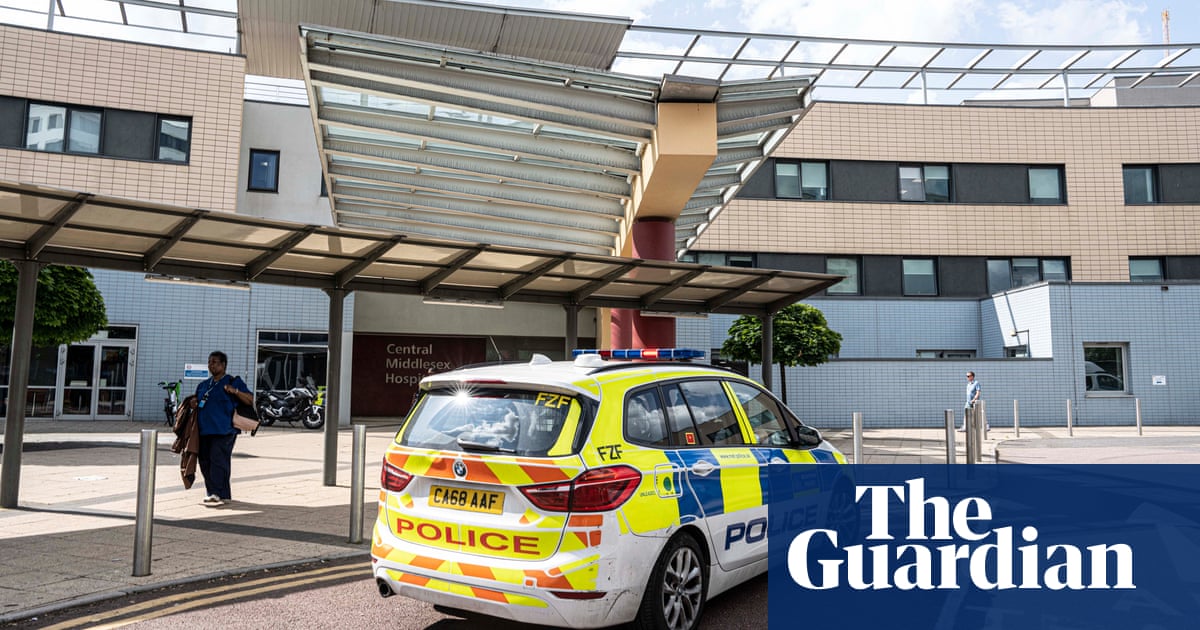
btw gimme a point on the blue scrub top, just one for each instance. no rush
(216, 414)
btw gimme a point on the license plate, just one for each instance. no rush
(467, 499)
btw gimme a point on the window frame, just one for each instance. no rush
(904, 277)
(799, 187)
(944, 354)
(1142, 279)
(159, 119)
(1061, 199)
(250, 186)
(924, 183)
(1123, 358)
(856, 262)
(1155, 195)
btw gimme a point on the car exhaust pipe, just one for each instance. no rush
(385, 589)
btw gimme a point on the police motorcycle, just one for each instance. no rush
(302, 403)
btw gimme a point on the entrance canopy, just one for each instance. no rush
(59, 226)
(427, 139)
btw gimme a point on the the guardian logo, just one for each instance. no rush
(986, 558)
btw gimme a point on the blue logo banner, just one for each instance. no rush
(986, 547)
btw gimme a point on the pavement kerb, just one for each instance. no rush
(84, 600)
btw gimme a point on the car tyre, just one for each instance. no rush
(675, 595)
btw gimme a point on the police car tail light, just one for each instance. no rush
(596, 490)
(392, 478)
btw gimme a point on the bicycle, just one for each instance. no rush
(171, 401)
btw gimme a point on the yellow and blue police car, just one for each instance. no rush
(584, 493)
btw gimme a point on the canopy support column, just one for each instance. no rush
(18, 381)
(333, 383)
(572, 339)
(768, 349)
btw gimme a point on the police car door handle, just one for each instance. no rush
(703, 468)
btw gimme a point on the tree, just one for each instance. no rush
(69, 307)
(801, 337)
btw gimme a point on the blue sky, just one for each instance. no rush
(979, 21)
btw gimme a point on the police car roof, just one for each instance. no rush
(542, 371)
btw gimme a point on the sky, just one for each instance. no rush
(1089, 22)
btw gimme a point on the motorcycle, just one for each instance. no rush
(303, 403)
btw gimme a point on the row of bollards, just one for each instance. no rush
(976, 426)
(143, 536)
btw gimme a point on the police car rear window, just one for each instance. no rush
(517, 422)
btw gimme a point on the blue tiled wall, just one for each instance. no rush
(180, 324)
(877, 375)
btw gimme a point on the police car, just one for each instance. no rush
(584, 493)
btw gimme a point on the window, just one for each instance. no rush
(286, 358)
(1025, 271)
(1104, 368)
(80, 134)
(108, 132)
(740, 260)
(264, 171)
(1054, 269)
(1141, 184)
(1017, 352)
(1145, 270)
(724, 260)
(766, 420)
(925, 183)
(1011, 273)
(945, 354)
(1045, 185)
(843, 267)
(999, 275)
(645, 420)
(801, 180)
(50, 136)
(714, 417)
(174, 139)
(84, 134)
(919, 277)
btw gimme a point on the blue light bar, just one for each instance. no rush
(644, 354)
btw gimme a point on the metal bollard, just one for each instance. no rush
(951, 455)
(984, 423)
(144, 525)
(1017, 418)
(858, 457)
(1137, 405)
(969, 415)
(358, 478)
(1070, 425)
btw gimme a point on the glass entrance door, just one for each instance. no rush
(96, 380)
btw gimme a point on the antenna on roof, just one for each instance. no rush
(1166, 20)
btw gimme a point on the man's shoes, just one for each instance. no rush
(213, 500)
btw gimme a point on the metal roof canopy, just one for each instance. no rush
(58, 226)
(422, 138)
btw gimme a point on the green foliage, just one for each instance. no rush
(69, 306)
(802, 337)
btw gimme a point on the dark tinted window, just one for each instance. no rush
(715, 420)
(645, 419)
(683, 430)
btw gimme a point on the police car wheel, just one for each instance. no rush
(674, 597)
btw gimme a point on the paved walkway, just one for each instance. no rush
(72, 538)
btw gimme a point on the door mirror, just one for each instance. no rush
(808, 437)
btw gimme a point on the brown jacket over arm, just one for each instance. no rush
(187, 440)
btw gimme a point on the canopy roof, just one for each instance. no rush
(446, 142)
(78, 228)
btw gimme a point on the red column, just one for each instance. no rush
(653, 239)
